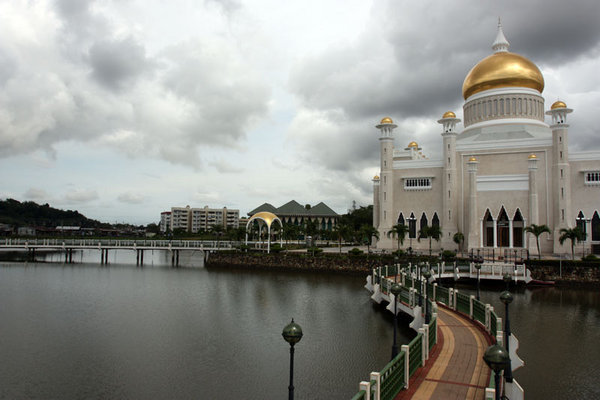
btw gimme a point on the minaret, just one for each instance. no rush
(560, 171)
(500, 45)
(386, 187)
(449, 179)
(376, 202)
(473, 220)
(533, 201)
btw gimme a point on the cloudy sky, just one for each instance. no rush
(123, 108)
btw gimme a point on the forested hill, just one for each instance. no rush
(29, 213)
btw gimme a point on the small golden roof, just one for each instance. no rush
(413, 144)
(449, 114)
(376, 178)
(472, 159)
(532, 156)
(387, 120)
(558, 104)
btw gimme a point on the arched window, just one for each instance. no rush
(580, 222)
(435, 221)
(423, 223)
(412, 226)
(488, 229)
(518, 229)
(503, 234)
(401, 219)
(596, 226)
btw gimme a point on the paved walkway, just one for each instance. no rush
(455, 370)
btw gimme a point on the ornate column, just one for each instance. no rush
(449, 217)
(561, 174)
(533, 201)
(473, 233)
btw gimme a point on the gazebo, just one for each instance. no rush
(265, 217)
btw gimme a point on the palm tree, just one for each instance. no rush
(400, 231)
(431, 232)
(574, 235)
(341, 231)
(537, 230)
(458, 238)
(368, 232)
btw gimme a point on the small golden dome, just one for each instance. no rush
(503, 69)
(532, 156)
(387, 120)
(472, 159)
(449, 114)
(413, 144)
(558, 104)
(376, 178)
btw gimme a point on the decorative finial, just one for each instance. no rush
(500, 45)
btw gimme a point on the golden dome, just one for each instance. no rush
(558, 104)
(266, 216)
(449, 114)
(472, 159)
(387, 120)
(532, 156)
(413, 144)
(376, 178)
(500, 70)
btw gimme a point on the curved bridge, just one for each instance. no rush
(445, 359)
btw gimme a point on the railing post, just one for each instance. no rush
(499, 331)
(376, 376)
(366, 386)
(471, 299)
(436, 323)
(433, 299)
(454, 300)
(450, 297)
(487, 318)
(406, 351)
(425, 342)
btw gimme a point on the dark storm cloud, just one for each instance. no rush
(116, 63)
(410, 62)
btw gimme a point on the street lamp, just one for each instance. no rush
(395, 289)
(426, 275)
(507, 278)
(477, 267)
(292, 333)
(496, 357)
(506, 297)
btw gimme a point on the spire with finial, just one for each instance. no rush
(500, 44)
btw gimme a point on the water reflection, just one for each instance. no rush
(120, 331)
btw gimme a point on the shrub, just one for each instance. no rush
(589, 257)
(448, 255)
(314, 250)
(276, 248)
(355, 252)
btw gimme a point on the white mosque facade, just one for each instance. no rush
(506, 170)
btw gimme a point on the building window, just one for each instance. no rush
(562, 214)
(384, 196)
(592, 178)
(562, 193)
(384, 214)
(417, 183)
(561, 155)
(561, 173)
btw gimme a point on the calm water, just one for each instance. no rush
(123, 332)
(120, 331)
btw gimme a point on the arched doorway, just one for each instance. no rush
(503, 229)
(488, 229)
(518, 228)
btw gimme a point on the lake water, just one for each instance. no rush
(124, 332)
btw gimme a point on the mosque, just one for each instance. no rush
(506, 170)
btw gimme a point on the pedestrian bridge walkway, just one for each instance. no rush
(445, 359)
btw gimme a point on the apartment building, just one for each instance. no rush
(195, 220)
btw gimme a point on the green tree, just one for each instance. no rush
(399, 231)
(431, 232)
(574, 235)
(458, 238)
(342, 232)
(368, 232)
(537, 230)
